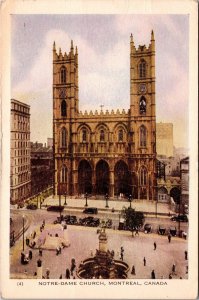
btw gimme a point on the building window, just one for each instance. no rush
(63, 108)
(102, 135)
(120, 135)
(143, 175)
(84, 135)
(63, 174)
(143, 134)
(142, 69)
(63, 137)
(142, 105)
(63, 75)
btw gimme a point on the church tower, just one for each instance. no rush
(143, 118)
(65, 112)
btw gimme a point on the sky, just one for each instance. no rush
(103, 43)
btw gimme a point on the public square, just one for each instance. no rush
(84, 242)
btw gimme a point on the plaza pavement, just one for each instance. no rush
(84, 241)
(145, 206)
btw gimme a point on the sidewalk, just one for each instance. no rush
(145, 206)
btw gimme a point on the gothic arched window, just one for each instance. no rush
(142, 105)
(120, 135)
(102, 135)
(143, 136)
(63, 75)
(63, 174)
(84, 135)
(63, 108)
(143, 176)
(142, 69)
(63, 137)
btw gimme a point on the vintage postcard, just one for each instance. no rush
(99, 149)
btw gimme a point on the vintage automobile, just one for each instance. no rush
(55, 208)
(161, 229)
(173, 230)
(86, 221)
(147, 228)
(90, 210)
(179, 218)
(31, 206)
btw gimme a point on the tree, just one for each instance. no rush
(133, 219)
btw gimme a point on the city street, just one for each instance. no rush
(86, 239)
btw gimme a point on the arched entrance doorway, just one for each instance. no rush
(122, 179)
(102, 178)
(85, 177)
(175, 194)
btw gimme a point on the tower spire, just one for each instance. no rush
(132, 46)
(152, 36)
(54, 46)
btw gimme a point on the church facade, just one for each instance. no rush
(111, 152)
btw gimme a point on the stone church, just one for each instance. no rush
(111, 152)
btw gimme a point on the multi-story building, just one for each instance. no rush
(50, 142)
(41, 167)
(164, 139)
(20, 181)
(105, 152)
(184, 172)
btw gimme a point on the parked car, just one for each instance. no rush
(31, 206)
(86, 221)
(147, 228)
(73, 220)
(95, 222)
(161, 230)
(90, 210)
(181, 218)
(55, 208)
(108, 223)
(173, 230)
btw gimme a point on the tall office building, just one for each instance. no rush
(20, 180)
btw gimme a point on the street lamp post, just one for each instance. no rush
(23, 232)
(65, 198)
(106, 197)
(86, 196)
(130, 200)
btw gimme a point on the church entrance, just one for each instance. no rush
(102, 178)
(122, 179)
(85, 177)
(175, 194)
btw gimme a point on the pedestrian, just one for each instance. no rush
(67, 274)
(57, 251)
(136, 232)
(169, 238)
(122, 253)
(133, 270)
(170, 276)
(40, 252)
(187, 268)
(153, 274)
(44, 222)
(186, 255)
(73, 266)
(27, 241)
(173, 268)
(60, 277)
(30, 254)
(144, 260)
(47, 273)
(155, 246)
